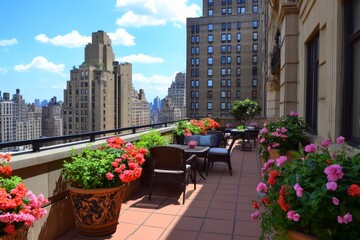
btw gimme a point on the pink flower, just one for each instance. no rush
(275, 145)
(262, 140)
(255, 215)
(281, 160)
(267, 165)
(299, 190)
(261, 187)
(109, 176)
(334, 172)
(310, 148)
(283, 130)
(335, 201)
(292, 215)
(346, 219)
(326, 142)
(340, 140)
(294, 114)
(331, 186)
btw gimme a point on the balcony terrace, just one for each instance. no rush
(219, 208)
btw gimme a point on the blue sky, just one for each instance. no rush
(41, 40)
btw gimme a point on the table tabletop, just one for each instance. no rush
(196, 150)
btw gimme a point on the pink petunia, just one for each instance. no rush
(299, 190)
(335, 201)
(334, 172)
(326, 142)
(262, 140)
(281, 160)
(255, 215)
(261, 187)
(340, 140)
(346, 219)
(109, 176)
(310, 148)
(294, 114)
(331, 186)
(292, 215)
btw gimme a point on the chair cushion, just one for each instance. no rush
(207, 140)
(218, 151)
(192, 137)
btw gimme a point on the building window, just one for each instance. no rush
(254, 71)
(229, 11)
(229, 26)
(254, 82)
(197, 61)
(238, 37)
(223, 26)
(241, 1)
(197, 83)
(254, 94)
(229, 48)
(210, 60)
(223, 60)
(196, 72)
(238, 48)
(351, 111)
(255, 24)
(223, 11)
(238, 94)
(238, 83)
(197, 39)
(192, 39)
(238, 71)
(210, 12)
(210, 27)
(228, 94)
(210, 83)
(210, 71)
(223, 37)
(210, 38)
(192, 94)
(223, 72)
(255, 47)
(255, 8)
(223, 2)
(196, 106)
(210, 3)
(229, 1)
(209, 105)
(229, 82)
(238, 60)
(192, 83)
(312, 79)
(238, 25)
(229, 60)
(222, 106)
(196, 94)
(241, 10)
(197, 50)
(192, 62)
(223, 48)
(229, 71)
(254, 59)
(229, 37)
(210, 49)
(209, 94)
(222, 93)
(223, 83)
(255, 36)
(228, 105)
(192, 50)
(192, 72)
(197, 28)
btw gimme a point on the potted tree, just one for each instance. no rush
(97, 180)
(245, 110)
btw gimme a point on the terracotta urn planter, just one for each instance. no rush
(274, 154)
(19, 234)
(97, 210)
(294, 235)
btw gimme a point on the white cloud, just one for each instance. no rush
(70, 40)
(42, 63)
(132, 19)
(140, 58)
(8, 42)
(122, 37)
(156, 12)
(155, 85)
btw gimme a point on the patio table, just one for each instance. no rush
(199, 151)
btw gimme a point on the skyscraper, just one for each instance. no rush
(177, 93)
(140, 108)
(223, 48)
(95, 98)
(52, 124)
(7, 132)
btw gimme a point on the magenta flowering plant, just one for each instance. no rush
(317, 193)
(18, 205)
(284, 133)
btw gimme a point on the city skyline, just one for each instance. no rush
(41, 42)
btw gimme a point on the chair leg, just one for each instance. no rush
(208, 166)
(229, 166)
(151, 187)
(184, 192)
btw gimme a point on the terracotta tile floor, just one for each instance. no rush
(219, 208)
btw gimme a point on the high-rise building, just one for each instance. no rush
(169, 112)
(223, 48)
(140, 108)
(7, 132)
(177, 93)
(97, 96)
(52, 124)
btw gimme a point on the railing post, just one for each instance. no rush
(36, 146)
(92, 138)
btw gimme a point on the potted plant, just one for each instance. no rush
(19, 207)
(245, 110)
(317, 193)
(97, 180)
(282, 135)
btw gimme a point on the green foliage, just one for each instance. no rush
(240, 127)
(318, 213)
(245, 110)
(194, 126)
(152, 139)
(10, 183)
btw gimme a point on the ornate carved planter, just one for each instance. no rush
(19, 234)
(97, 210)
(294, 235)
(274, 154)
